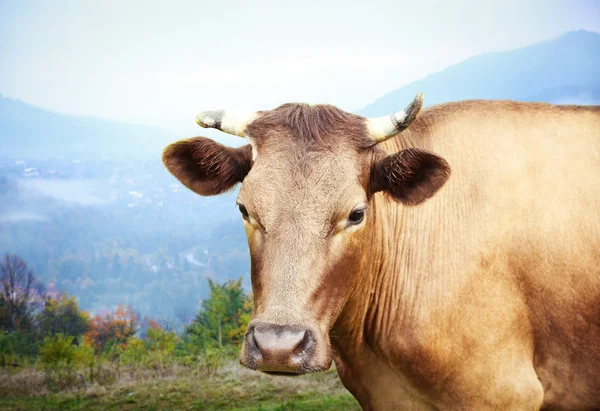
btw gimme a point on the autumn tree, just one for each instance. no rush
(113, 328)
(62, 315)
(21, 294)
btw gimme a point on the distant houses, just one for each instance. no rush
(52, 292)
(31, 172)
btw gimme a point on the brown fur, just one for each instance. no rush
(317, 126)
(484, 297)
(207, 167)
(410, 176)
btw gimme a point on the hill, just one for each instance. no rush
(560, 70)
(29, 131)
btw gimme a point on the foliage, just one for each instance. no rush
(57, 356)
(85, 357)
(58, 350)
(62, 315)
(114, 343)
(112, 329)
(135, 353)
(16, 347)
(224, 316)
(156, 350)
(21, 294)
(161, 340)
(117, 357)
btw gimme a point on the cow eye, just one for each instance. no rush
(356, 217)
(243, 210)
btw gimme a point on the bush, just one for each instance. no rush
(57, 351)
(16, 347)
(135, 353)
(214, 359)
(161, 340)
(85, 357)
(57, 357)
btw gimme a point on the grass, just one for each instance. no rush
(229, 388)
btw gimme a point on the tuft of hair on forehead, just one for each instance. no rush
(318, 123)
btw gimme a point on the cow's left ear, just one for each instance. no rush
(410, 176)
(207, 167)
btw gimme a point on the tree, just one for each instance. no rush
(114, 328)
(224, 316)
(62, 315)
(21, 294)
(72, 268)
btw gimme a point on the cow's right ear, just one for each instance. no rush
(207, 167)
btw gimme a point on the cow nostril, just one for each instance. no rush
(304, 344)
(252, 344)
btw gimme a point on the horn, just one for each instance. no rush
(228, 121)
(384, 128)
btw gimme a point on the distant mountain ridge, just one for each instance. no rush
(563, 70)
(30, 131)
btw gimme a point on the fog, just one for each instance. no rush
(86, 192)
(13, 216)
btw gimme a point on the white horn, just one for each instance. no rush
(228, 121)
(384, 128)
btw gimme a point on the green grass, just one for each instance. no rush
(231, 388)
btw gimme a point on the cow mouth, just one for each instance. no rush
(295, 373)
(283, 374)
(286, 370)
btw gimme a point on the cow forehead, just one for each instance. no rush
(316, 126)
(308, 160)
(312, 182)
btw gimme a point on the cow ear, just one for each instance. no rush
(410, 176)
(207, 167)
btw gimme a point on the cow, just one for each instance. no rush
(446, 261)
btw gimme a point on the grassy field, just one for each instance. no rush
(229, 388)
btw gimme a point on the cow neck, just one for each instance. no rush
(399, 272)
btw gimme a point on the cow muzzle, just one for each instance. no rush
(284, 349)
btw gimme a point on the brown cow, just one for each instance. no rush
(484, 297)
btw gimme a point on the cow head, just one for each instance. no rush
(309, 174)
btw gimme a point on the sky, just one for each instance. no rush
(158, 62)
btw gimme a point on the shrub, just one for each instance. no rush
(85, 357)
(161, 340)
(135, 353)
(16, 347)
(214, 359)
(57, 356)
(57, 351)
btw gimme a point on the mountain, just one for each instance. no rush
(569, 95)
(113, 232)
(88, 204)
(29, 131)
(561, 70)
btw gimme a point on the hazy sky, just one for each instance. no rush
(159, 62)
